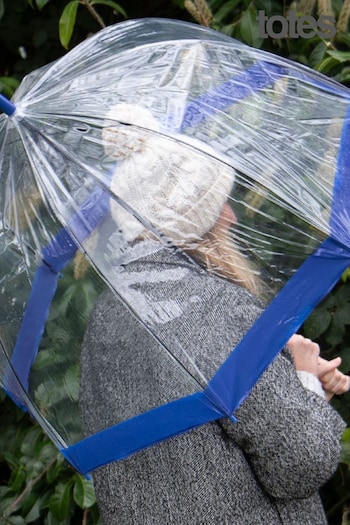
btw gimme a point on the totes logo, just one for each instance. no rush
(294, 26)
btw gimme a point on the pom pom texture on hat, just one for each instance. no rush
(174, 186)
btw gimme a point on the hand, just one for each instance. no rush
(305, 353)
(332, 379)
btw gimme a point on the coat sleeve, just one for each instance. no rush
(290, 435)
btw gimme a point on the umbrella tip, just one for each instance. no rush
(6, 106)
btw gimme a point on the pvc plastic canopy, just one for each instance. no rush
(161, 100)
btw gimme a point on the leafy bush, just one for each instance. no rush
(36, 484)
(329, 326)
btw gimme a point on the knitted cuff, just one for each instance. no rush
(311, 382)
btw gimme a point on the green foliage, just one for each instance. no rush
(67, 22)
(239, 19)
(54, 380)
(36, 32)
(329, 325)
(69, 14)
(36, 484)
(8, 85)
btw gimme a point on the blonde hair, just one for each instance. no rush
(218, 253)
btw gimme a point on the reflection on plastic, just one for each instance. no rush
(96, 190)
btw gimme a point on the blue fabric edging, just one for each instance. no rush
(128, 437)
(258, 76)
(281, 319)
(340, 212)
(54, 257)
(63, 247)
(6, 106)
(229, 386)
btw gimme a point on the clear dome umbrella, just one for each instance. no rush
(172, 105)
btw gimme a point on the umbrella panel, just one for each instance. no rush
(276, 126)
(54, 382)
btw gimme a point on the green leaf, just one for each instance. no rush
(60, 501)
(342, 314)
(32, 444)
(40, 37)
(343, 37)
(6, 506)
(2, 8)
(54, 471)
(329, 302)
(345, 360)
(326, 65)
(83, 492)
(71, 382)
(8, 85)
(340, 56)
(226, 9)
(48, 452)
(67, 22)
(52, 520)
(11, 459)
(346, 436)
(111, 4)
(29, 501)
(271, 7)
(335, 333)
(35, 511)
(345, 446)
(15, 520)
(47, 358)
(41, 3)
(317, 54)
(343, 76)
(342, 295)
(317, 323)
(17, 479)
(346, 275)
(250, 28)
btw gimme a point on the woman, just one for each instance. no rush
(264, 469)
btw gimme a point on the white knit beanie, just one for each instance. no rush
(175, 187)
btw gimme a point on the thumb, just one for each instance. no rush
(325, 366)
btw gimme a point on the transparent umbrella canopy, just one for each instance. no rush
(137, 114)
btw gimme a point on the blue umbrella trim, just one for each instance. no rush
(227, 389)
(63, 247)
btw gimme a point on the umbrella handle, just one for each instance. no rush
(6, 106)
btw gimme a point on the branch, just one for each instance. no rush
(30, 485)
(93, 12)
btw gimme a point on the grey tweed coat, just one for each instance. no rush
(265, 469)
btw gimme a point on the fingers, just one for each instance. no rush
(305, 353)
(332, 379)
(306, 356)
(335, 382)
(325, 366)
(298, 343)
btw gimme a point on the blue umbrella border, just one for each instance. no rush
(229, 386)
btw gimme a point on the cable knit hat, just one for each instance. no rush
(179, 188)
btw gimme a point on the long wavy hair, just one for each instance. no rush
(217, 251)
(220, 255)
